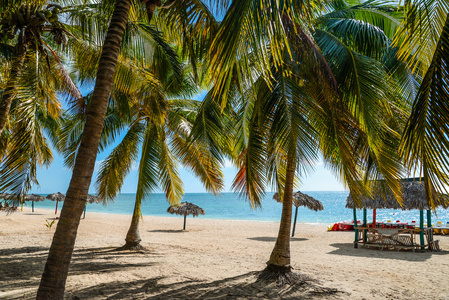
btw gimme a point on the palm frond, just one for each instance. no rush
(425, 144)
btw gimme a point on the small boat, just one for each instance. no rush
(439, 228)
(446, 229)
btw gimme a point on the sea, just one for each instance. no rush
(232, 207)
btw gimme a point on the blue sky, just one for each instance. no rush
(57, 177)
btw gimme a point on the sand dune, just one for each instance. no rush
(213, 259)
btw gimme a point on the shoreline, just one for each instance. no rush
(213, 258)
(48, 211)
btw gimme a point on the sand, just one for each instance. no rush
(213, 259)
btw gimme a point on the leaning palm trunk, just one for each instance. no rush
(279, 263)
(53, 279)
(18, 61)
(133, 236)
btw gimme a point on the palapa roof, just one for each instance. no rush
(93, 199)
(301, 199)
(61, 197)
(56, 196)
(414, 197)
(34, 197)
(186, 208)
(18, 197)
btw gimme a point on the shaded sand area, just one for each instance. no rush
(213, 259)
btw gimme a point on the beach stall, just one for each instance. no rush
(301, 199)
(396, 235)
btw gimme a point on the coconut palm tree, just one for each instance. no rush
(55, 273)
(312, 92)
(37, 110)
(138, 101)
(163, 143)
(56, 269)
(29, 26)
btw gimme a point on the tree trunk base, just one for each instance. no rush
(282, 275)
(132, 247)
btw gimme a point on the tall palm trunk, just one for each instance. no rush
(133, 236)
(53, 279)
(280, 257)
(18, 61)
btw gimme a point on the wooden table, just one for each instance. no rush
(396, 238)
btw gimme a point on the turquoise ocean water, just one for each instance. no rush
(231, 206)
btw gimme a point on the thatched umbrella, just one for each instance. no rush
(301, 199)
(13, 197)
(90, 199)
(186, 208)
(56, 197)
(33, 198)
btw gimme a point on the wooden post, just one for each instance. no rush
(421, 226)
(294, 222)
(185, 216)
(356, 230)
(56, 210)
(429, 225)
(84, 215)
(364, 225)
(32, 206)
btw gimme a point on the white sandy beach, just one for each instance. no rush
(213, 259)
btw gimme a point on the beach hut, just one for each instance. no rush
(185, 209)
(301, 199)
(414, 197)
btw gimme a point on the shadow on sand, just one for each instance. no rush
(273, 239)
(168, 230)
(21, 268)
(245, 286)
(347, 249)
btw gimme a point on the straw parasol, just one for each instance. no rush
(61, 197)
(186, 208)
(56, 197)
(301, 199)
(414, 197)
(34, 198)
(93, 199)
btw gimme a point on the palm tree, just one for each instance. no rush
(138, 101)
(423, 40)
(56, 269)
(306, 97)
(163, 143)
(37, 110)
(29, 25)
(55, 273)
